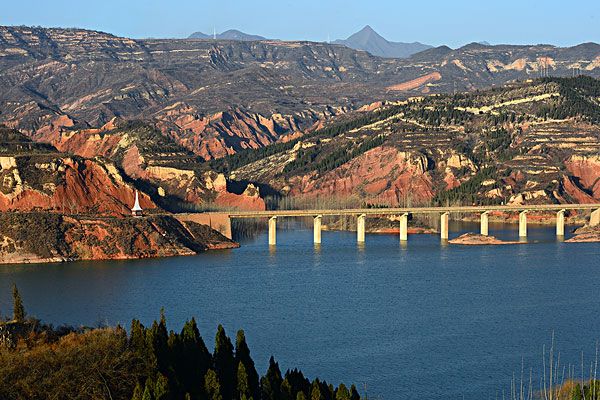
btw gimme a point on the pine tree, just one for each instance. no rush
(137, 338)
(148, 390)
(161, 388)
(298, 382)
(354, 393)
(315, 391)
(243, 386)
(137, 392)
(300, 396)
(242, 354)
(212, 385)
(342, 393)
(18, 308)
(271, 382)
(286, 390)
(193, 358)
(157, 339)
(224, 363)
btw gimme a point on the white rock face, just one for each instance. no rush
(8, 163)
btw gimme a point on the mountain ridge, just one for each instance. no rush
(231, 34)
(369, 40)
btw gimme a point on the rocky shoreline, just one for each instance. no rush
(586, 234)
(27, 238)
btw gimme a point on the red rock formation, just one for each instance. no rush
(69, 185)
(223, 133)
(576, 193)
(416, 83)
(383, 175)
(587, 169)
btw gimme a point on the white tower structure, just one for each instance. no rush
(137, 211)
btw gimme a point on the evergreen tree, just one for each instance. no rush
(137, 339)
(157, 339)
(18, 308)
(193, 358)
(224, 363)
(271, 382)
(161, 388)
(138, 392)
(242, 354)
(286, 390)
(354, 393)
(342, 393)
(148, 390)
(243, 386)
(298, 382)
(315, 391)
(300, 396)
(212, 385)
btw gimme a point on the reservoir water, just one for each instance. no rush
(424, 320)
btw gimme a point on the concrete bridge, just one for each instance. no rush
(224, 218)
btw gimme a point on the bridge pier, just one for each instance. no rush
(560, 223)
(444, 226)
(404, 227)
(484, 229)
(317, 229)
(272, 231)
(523, 224)
(360, 228)
(595, 218)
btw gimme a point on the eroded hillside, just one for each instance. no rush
(532, 142)
(220, 97)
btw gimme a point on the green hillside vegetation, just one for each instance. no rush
(314, 159)
(156, 148)
(14, 143)
(579, 98)
(245, 157)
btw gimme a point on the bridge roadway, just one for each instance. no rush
(224, 218)
(411, 210)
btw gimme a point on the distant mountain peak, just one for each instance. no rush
(231, 34)
(369, 40)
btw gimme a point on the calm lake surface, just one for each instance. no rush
(416, 321)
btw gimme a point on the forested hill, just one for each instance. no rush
(527, 142)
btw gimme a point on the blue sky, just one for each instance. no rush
(434, 22)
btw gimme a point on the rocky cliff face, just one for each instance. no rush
(65, 184)
(175, 176)
(225, 133)
(42, 237)
(383, 175)
(586, 170)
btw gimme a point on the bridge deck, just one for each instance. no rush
(410, 210)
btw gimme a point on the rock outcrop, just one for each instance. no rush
(383, 175)
(143, 153)
(586, 234)
(473, 239)
(43, 237)
(65, 184)
(587, 170)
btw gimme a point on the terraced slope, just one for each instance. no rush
(533, 142)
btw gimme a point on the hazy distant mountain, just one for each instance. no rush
(232, 34)
(369, 40)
